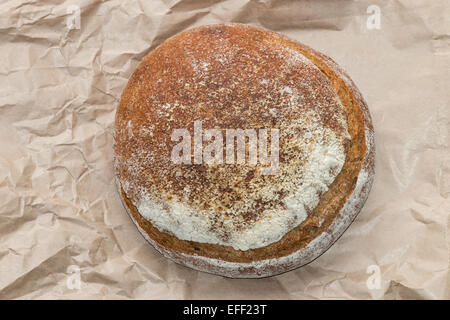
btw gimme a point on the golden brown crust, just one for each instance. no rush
(359, 156)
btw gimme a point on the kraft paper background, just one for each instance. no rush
(61, 219)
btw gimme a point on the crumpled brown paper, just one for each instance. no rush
(63, 231)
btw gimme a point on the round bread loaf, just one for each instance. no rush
(241, 152)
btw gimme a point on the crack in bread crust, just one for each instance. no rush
(320, 222)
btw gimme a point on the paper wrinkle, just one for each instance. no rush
(59, 207)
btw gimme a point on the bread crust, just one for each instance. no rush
(325, 223)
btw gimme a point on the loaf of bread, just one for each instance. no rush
(241, 152)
